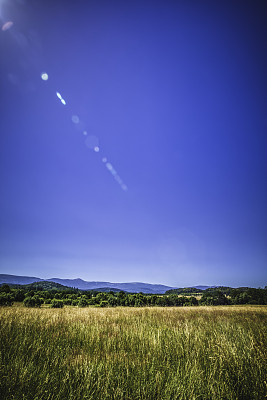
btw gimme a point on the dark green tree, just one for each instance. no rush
(83, 302)
(5, 288)
(6, 299)
(57, 303)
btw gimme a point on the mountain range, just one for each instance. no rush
(133, 287)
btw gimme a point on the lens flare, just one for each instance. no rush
(44, 76)
(75, 119)
(91, 141)
(7, 25)
(61, 98)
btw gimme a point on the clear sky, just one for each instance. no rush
(150, 164)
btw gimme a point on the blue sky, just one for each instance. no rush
(173, 95)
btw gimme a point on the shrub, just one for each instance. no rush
(57, 303)
(19, 294)
(33, 301)
(82, 302)
(6, 299)
(67, 302)
(103, 303)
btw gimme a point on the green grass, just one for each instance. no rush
(130, 353)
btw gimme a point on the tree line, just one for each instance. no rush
(57, 298)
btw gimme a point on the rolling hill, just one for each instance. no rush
(133, 287)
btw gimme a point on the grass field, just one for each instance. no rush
(133, 353)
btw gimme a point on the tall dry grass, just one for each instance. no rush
(130, 353)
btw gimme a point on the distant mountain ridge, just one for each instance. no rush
(78, 283)
(18, 280)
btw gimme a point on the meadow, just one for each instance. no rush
(133, 353)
